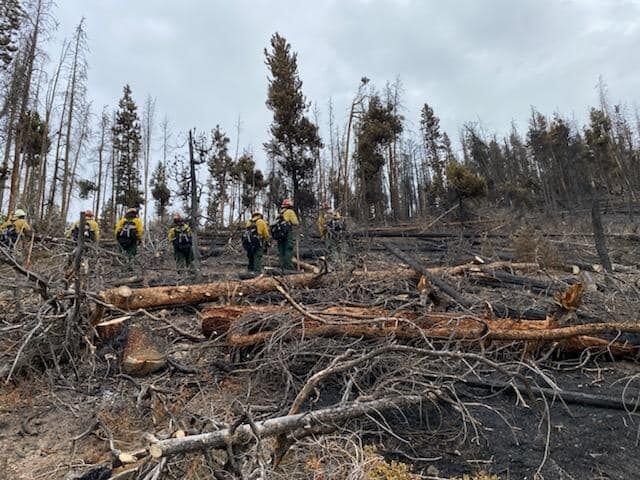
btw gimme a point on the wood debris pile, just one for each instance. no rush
(382, 347)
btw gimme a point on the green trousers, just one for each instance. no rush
(285, 252)
(131, 250)
(255, 260)
(183, 259)
(335, 248)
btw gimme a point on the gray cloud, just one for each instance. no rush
(470, 59)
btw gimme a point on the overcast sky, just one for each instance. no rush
(470, 59)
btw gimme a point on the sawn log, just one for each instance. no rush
(126, 298)
(377, 323)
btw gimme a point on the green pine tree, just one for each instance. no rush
(432, 141)
(160, 190)
(294, 138)
(220, 165)
(126, 144)
(378, 127)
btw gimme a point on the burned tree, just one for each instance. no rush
(11, 16)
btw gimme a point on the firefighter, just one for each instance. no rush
(331, 226)
(16, 227)
(182, 239)
(129, 232)
(255, 241)
(282, 232)
(91, 228)
(325, 213)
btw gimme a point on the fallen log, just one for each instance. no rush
(500, 278)
(217, 319)
(282, 425)
(418, 232)
(499, 310)
(126, 298)
(567, 396)
(307, 267)
(444, 326)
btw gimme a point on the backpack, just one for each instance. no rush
(182, 241)
(128, 235)
(9, 236)
(280, 230)
(89, 235)
(336, 227)
(251, 241)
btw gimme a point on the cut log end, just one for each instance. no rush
(124, 292)
(155, 451)
(110, 328)
(141, 355)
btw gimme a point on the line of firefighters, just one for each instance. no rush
(256, 238)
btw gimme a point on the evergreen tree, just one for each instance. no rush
(36, 144)
(220, 165)
(377, 129)
(160, 190)
(600, 172)
(598, 137)
(464, 184)
(276, 190)
(126, 143)
(294, 138)
(251, 180)
(479, 157)
(539, 145)
(432, 142)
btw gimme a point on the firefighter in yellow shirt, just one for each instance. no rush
(16, 227)
(91, 228)
(282, 232)
(322, 221)
(129, 232)
(181, 238)
(255, 241)
(331, 226)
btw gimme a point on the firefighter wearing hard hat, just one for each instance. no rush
(331, 227)
(181, 238)
(91, 228)
(282, 232)
(129, 231)
(255, 241)
(16, 227)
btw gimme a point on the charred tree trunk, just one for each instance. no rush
(598, 232)
(103, 132)
(194, 208)
(66, 185)
(25, 91)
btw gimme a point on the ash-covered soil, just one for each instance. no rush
(56, 421)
